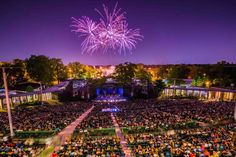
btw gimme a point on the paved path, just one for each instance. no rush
(123, 142)
(66, 133)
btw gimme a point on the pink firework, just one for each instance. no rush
(87, 29)
(110, 33)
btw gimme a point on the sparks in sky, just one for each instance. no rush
(111, 32)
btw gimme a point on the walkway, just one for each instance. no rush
(66, 133)
(123, 142)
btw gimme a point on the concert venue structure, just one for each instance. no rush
(153, 78)
(110, 92)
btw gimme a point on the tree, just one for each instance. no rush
(124, 73)
(16, 72)
(160, 86)
(76, 70)
(163, 71)
(80, 71)
(9, 81)
(90, 71)
(154, 73)
(177, 73)
(40, 69)
(59, 70)
(143, 75)
(198, 81)
(222, 74)
(29, 89)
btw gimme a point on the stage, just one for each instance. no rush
(110, 98)
(110, 92)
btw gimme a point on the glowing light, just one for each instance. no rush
(110, 33)
(208, 83)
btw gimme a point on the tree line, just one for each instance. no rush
(52, 70)
(45, 70)
(221, 74)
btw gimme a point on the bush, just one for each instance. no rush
(102, 132)
(140, 129)
(34, 134)
(30, 104)
(188, 125)
(29, 89)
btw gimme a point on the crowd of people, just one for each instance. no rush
(20, 149)
(97, 119)
(168, 113)
(216, 139)
(108, 146)
(201, 141)
(209, 112)
(95, 146)
(214, 142)
(43, 118)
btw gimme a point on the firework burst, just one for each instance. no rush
(110, 33)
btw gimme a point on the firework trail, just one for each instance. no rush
(110, 33)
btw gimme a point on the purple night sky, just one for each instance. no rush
(175, 31)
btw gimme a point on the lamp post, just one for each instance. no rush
(7, 101)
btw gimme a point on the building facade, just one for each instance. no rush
(202, 93)
(18, 99)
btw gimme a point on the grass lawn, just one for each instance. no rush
(1, 110)
(47, 152)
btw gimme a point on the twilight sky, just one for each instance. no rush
(175, 31)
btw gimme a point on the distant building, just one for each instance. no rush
(69, 88)
(201, 93)
(21, 97)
